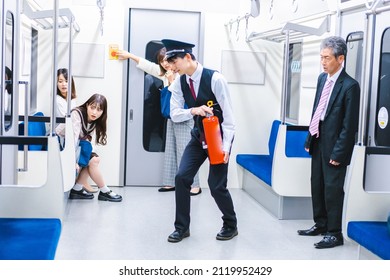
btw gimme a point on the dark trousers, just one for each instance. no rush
(327, 190)
(193, 157)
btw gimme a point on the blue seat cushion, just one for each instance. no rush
(272, 137)
(371, 235)
(388, 223)
(261, 165)
(258, 165)
(29, 239)
(34, 129)
(295, 144)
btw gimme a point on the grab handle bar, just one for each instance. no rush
(26, 113)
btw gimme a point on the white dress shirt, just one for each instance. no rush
(220, 89)
(333, 79)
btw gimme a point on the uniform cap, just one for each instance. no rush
(174, 47)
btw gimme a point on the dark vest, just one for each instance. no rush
(205, 94)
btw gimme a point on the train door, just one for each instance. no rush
(382, 108)
(9, 32)
(352, 26)
(145, 127)
(376, 175)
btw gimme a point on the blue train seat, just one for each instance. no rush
(280, 180)
(365, 213)
(261, 165)
(34, 129)
(29, 239)
(372, 235)
(31, 215)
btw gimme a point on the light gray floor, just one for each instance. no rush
(138, 227)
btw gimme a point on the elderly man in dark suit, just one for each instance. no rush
(330, 141)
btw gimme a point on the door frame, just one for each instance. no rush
(128, 67)
(8, 153)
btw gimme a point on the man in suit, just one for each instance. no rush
(330, 141)
(198, 87)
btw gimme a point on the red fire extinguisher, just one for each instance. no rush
(213, 137)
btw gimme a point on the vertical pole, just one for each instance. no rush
(70, 75)
(26, 114)
(283, 107)
(366, 77)
(55, 63)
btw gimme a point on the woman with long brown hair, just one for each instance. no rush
(90, 119)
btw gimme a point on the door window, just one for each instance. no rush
(153, 122)
(294, 82)
(353, 61)
(382, 129)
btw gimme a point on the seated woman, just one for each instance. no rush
(90, 118)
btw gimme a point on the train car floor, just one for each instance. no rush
(137, 229)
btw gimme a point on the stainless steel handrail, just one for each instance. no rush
(55, 65)
(26, 114)
(70, 70)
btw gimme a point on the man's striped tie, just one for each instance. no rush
(313, 128)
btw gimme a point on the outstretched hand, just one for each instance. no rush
(122, 54)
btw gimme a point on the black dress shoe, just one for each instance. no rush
(82, 194)
(330, 241)
(227, 233)
(109, 196)
(165, 189)
(178, 235)
(313, 231)
(199, 192)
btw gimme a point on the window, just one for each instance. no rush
(382, 129)
(353, 61)
(294, 82)
(154, 125)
